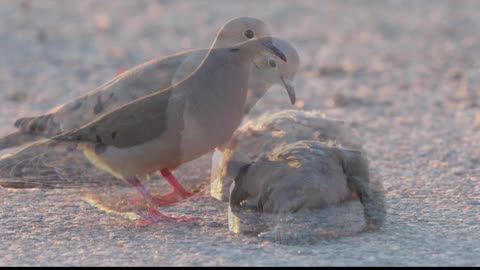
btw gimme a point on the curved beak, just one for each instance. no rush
(269, 44)
(290, 87)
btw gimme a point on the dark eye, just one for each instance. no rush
(249, 34)
(272, 63)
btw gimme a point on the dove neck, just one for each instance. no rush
(226, 74)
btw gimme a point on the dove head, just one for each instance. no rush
(238, 189)
(239, 30)
(270, 69)
(250, 34)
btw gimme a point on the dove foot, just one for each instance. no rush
(153, 216)
(174, 196)
(167, 199)
(144, 194)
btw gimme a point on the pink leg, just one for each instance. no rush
(144, 194)
(170, 198)
(153, 215)
(177, 187)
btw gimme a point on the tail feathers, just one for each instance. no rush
(23, 185)
(43, 125)
(16, 139)
(50, 164)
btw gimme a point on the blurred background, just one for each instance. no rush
(405, 73)
(64, 48)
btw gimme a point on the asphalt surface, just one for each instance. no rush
(405, 72)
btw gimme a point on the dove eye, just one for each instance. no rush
(272, 63)
(249, 34)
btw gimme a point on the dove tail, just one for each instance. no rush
(42, 125)
(23, 185)
(32, 167)
(16, 139)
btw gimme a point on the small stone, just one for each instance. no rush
(342, 100)
(26, 6)
(17, 96)
(331, 71)
(117, 53)
(339, 100)
(459, 171)
(455, 74)
(42, 35)
(103, 22)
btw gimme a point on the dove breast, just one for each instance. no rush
(174, 126)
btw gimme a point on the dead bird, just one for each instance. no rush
(298, 178)
(261, 135)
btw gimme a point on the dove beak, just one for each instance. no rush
(290, 87)
(268, 43)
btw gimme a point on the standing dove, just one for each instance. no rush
(159, 74)
(164, 129)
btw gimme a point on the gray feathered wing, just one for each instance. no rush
(59, 163)
(129, 86)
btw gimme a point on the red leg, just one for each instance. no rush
(140, 188)
(177, 187)
(144, 194)
(153, 215)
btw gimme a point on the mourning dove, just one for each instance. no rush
(261, 135)
(159, 74)
(265, 72)
(162, 130)
(306, 175)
